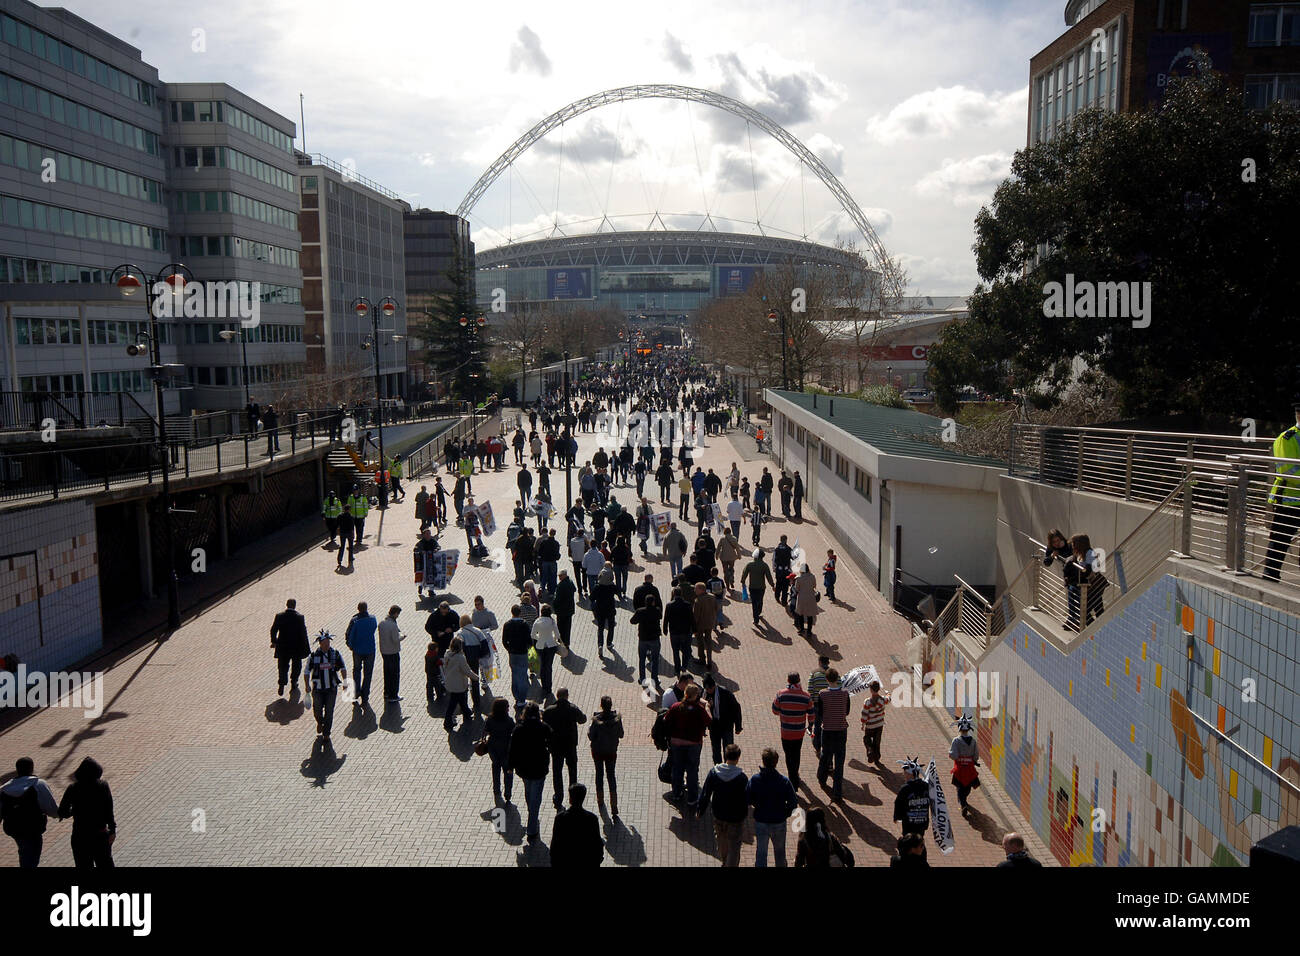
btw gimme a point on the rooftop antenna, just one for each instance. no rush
(302, 122)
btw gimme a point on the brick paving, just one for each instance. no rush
(208, 766)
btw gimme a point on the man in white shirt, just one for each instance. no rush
(735, 514)
(677, 692)
(578, 546)
(390, 646)
(593, 562)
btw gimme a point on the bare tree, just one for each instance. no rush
(866, 310)
(522, 334)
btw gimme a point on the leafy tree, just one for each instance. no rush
(455, 354)
(1163, 196)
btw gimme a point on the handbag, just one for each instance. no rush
(481, 746)
(665, 770)
(562, 649)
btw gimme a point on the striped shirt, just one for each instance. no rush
(873, 713)
(835, 708)
(817, 683)
(795, 709)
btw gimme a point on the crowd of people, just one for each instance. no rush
(492, 674)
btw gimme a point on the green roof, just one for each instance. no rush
(892, 431)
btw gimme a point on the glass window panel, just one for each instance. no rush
(187, 112)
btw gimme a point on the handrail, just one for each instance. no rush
(974, 592)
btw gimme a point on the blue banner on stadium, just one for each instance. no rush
(1172, 55)
(568, 283)
(734, 280)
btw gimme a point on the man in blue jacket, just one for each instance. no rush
(360, 639)
(773, 800)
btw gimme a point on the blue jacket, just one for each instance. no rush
(361, 633)
(771, 796)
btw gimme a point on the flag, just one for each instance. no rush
(859, 679)
(939, 820)
(660, 525)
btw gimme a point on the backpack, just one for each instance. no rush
(23, 816)
(659, 732)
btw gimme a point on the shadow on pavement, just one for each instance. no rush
(362, 723)
(322, 763)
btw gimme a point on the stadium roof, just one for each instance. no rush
(891, 431)
(663, 247)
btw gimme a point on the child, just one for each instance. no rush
(431, 672)
(828, 575)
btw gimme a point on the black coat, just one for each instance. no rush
(641, 593)
(530, 749)
(727, 718)
(516, 636)
(563, 600)
(576, 839)
(289, 635)
(564, 718)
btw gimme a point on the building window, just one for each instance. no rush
(862, 483)
(799, 435)
(1274, 24)
(842, 467)
(826, 454)
(1265, 90)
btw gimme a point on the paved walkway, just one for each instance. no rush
(210, 767)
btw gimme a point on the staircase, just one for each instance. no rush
(1037, 595)
(345, 465)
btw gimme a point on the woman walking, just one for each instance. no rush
(546, 638)
(89, 802)
(805, 602)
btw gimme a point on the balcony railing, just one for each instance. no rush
(28, 411)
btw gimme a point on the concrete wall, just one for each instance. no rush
(1105, 750)
(1027, 508)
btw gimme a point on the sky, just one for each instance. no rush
(916, 106)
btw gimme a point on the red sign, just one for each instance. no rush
(899, 353)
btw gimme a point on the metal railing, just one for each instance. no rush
(425, 459)
(1134, 465)
(72, 468)
(28, 411)
(1078, 609)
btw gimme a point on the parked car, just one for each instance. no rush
(918, 395)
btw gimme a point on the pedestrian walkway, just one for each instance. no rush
(209, 767)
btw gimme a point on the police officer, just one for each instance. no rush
(332, 509)
(325, 671)
(395, 476)
(358, 505)
(1284, 496)
(381, 482)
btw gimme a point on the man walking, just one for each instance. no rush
(873, 722)
(360, 639)
(795, 710)
(331, 509)
(290, 643)
(704, 615)
(773, 800)
(797, 496)
(679, 621)
(25, 803)
(782, 557)
(725, 711)
(563, 719)
(517, 638)
(529, 757)
(575, 836)
(390, 647)
(325, 671)
(674, 548)
(756, 577)
(687, 721)
(835, 733)
(724, 792)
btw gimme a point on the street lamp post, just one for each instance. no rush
(174, 276)
(362, 307)
(568, 427)
(229, 336)
(472, 331)
(889, 376)
(785, 380)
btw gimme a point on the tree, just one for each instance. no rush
(522, 334)
(454, 352)
(1197, 198)
(866, 310)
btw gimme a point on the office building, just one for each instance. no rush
(1119, 55)
(353, 247)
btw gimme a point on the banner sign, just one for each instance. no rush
(939, 821)
(568, 283)
(660, 525)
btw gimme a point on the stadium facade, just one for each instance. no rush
(663, 276)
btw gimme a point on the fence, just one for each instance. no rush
(425, 458)
(28, 411)
(72, 468)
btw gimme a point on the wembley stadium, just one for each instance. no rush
(662, 274)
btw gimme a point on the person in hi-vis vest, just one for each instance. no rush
(1284, 496)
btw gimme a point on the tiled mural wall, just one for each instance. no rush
(1112, 727)
(49, 585)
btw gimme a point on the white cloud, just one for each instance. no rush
(828, 151)
(966, 182)
(676, 54)
(948, 110)
(427, 159)
(527, 54)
